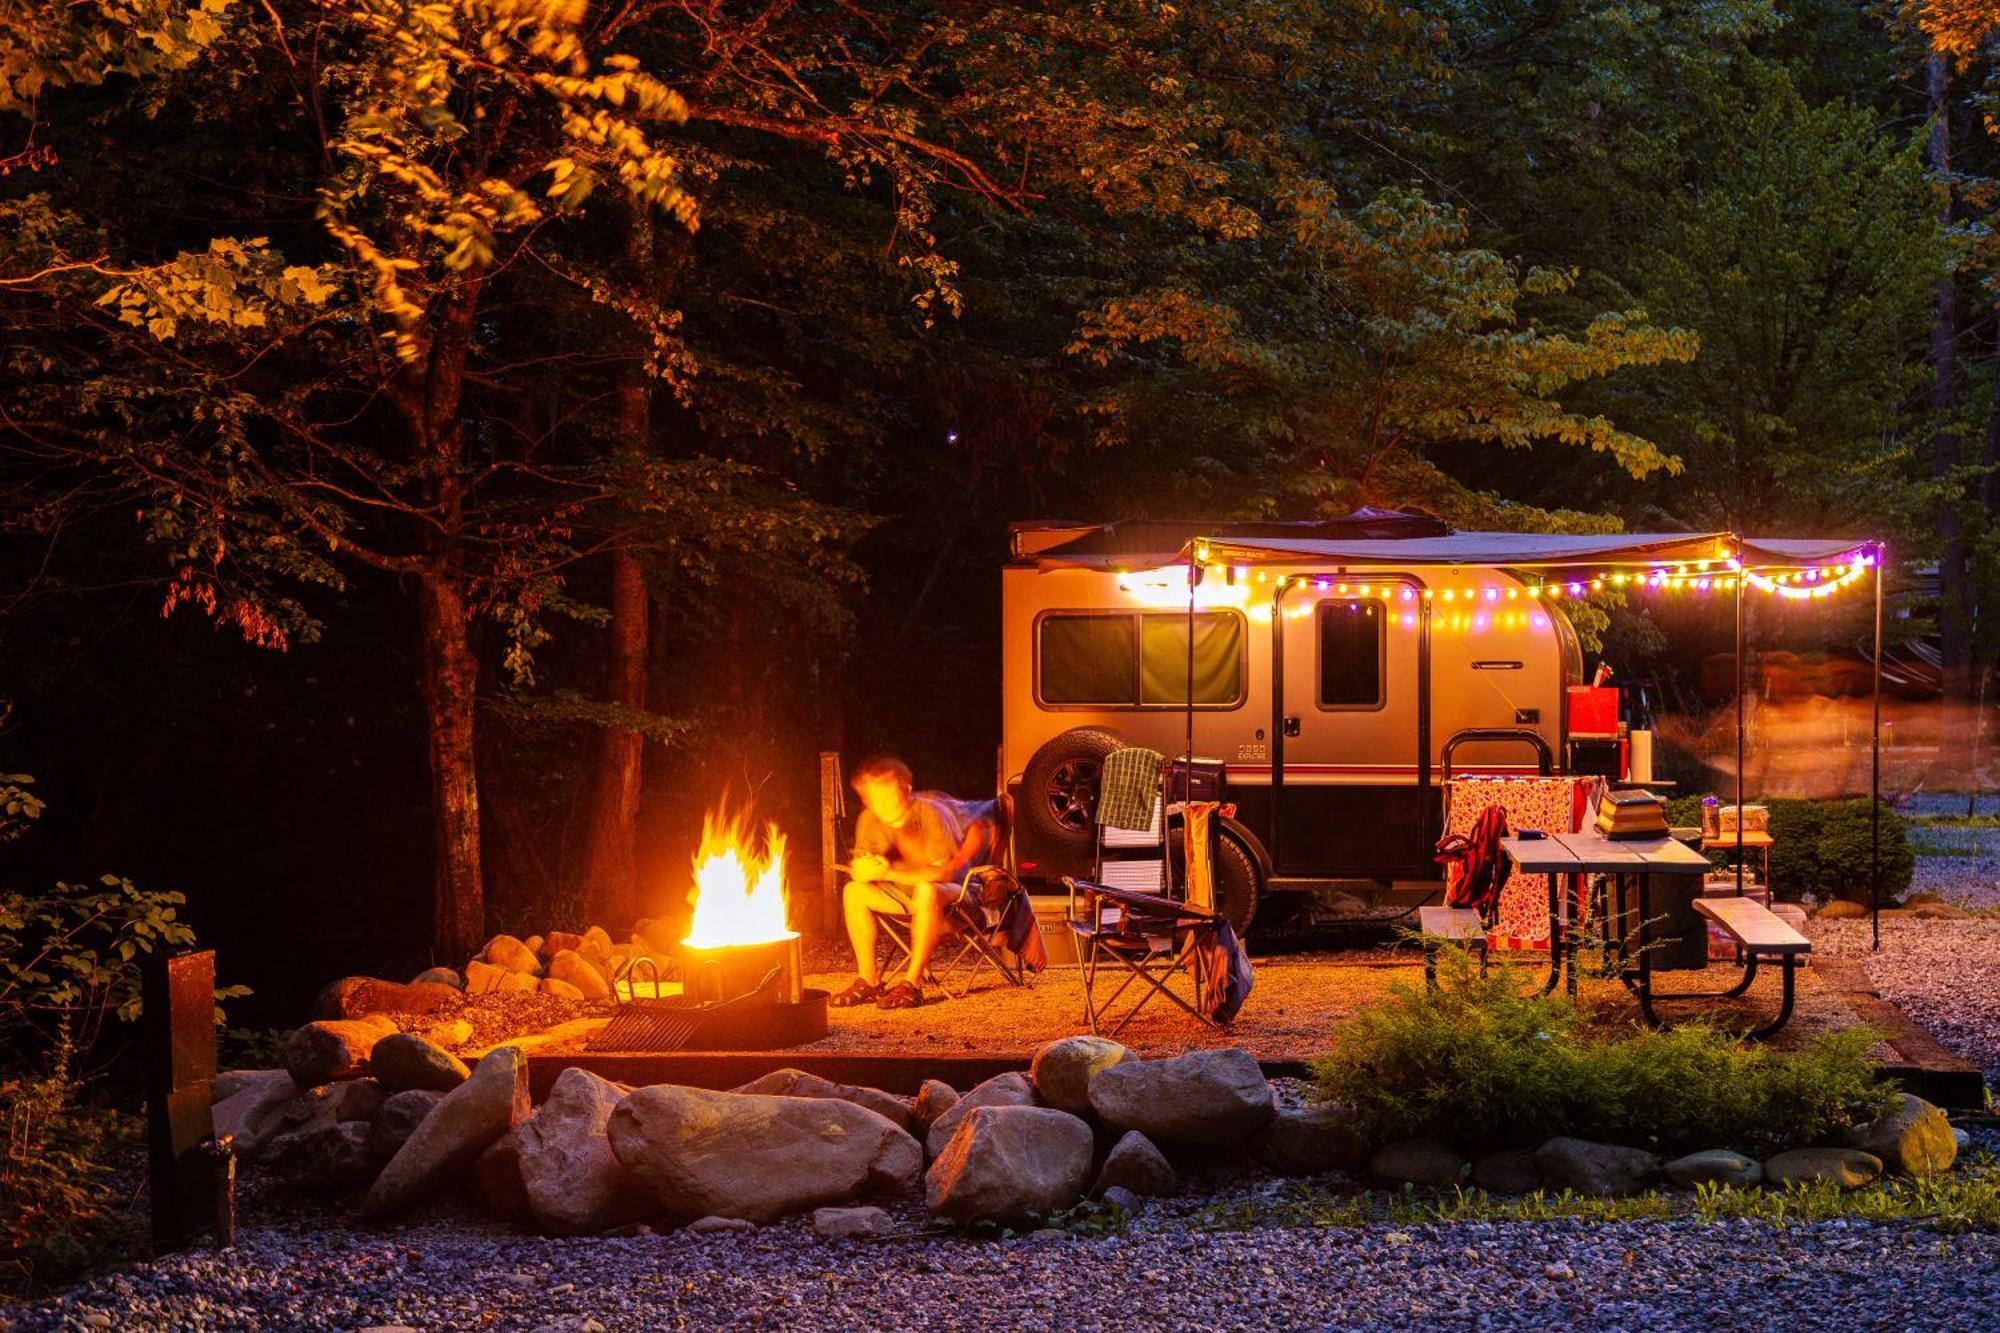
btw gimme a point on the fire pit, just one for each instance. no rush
(740, 969)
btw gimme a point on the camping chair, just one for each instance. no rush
(982, 926)
(1127, 916)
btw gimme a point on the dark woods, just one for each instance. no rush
(441, 463)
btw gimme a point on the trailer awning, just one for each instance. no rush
(1523, 550)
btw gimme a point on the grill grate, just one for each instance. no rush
(644, 1026)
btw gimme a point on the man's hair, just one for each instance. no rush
(881, 767)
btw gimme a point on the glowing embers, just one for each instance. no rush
(739, 890)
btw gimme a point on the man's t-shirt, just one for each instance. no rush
(933, 834)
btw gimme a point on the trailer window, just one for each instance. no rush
(1350, 654)
(1138, 660)
(1088, 659)
(1218, 659)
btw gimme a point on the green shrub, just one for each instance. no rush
(1819, 849)
(1481, 1066)
(62, 1211)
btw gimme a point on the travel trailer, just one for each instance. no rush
(1339, 670)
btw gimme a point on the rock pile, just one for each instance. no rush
(405, 1120)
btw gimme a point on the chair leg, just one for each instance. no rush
(1430, 965)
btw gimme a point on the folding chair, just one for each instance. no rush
(1128, 916)
(1151, 938)
(973, 926)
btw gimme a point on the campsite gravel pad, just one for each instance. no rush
(1654, 1275)
(1944, 974)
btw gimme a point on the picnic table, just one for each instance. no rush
(1628, 862)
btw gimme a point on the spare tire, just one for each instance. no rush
(1058, 805)
(1236, 883)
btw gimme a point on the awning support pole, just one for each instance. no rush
(1742, 855)
(1875, 773)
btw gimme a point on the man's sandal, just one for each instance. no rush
(861, 992)
(902, 995)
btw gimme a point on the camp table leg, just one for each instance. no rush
(1556, 941)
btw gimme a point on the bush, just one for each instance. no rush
(1480, 1066)
(1820, 848)
(61, 1210)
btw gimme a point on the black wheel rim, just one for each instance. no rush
(1072, 794)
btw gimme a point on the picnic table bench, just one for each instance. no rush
(1759, 933)
(1449, 925)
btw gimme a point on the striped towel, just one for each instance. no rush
(1130, 786)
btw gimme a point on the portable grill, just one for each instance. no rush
(740, 997)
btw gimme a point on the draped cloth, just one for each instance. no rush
(1550, 804)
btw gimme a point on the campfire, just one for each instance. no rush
(740, 963)
(739, 896)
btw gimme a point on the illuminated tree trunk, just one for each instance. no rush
(611, 891)
(450, 679)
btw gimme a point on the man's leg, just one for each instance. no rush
(860, 902)
(924, 929)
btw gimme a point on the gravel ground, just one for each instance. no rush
(1655, 1275)
(1943, 974)
(1967, 873)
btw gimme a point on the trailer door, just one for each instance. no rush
(1352, 790)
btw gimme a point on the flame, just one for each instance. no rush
(739, 896)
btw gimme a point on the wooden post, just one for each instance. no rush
(832, 804)
(178, 994)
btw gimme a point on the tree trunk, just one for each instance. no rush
(611, 888)
(450, 679)
(1954, 577)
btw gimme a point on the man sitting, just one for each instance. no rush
(911, 852)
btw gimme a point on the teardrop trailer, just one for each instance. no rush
(1340, 671)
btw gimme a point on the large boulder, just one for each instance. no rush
(510, 954)
(523, 982)
(324, 1157)
(561, 990)
(249, 1115)
(1849, 1168)
(1914, 1139)
(575, 1184)
(1308, 1141)
(326, 1049)
(356, 1098)
(556, 942)
(496, 1180)
(1205, 1097)
(1510, 1172)
(356, 997)
(448, 1034)
(1062, 1070)
(1015, 1089)
(1135, 1164)
(757, 1157)
(398, 1118)
(934, 1098)
(403, 1060)
(232, 1081)
(1715, 1166)
(483, 978)
(1603, 1170)
(456, 1131)
(1008, 1164)
(440, 976)
(1423, 1162)
(798, 1083)
(595, 945)
(572, 967)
